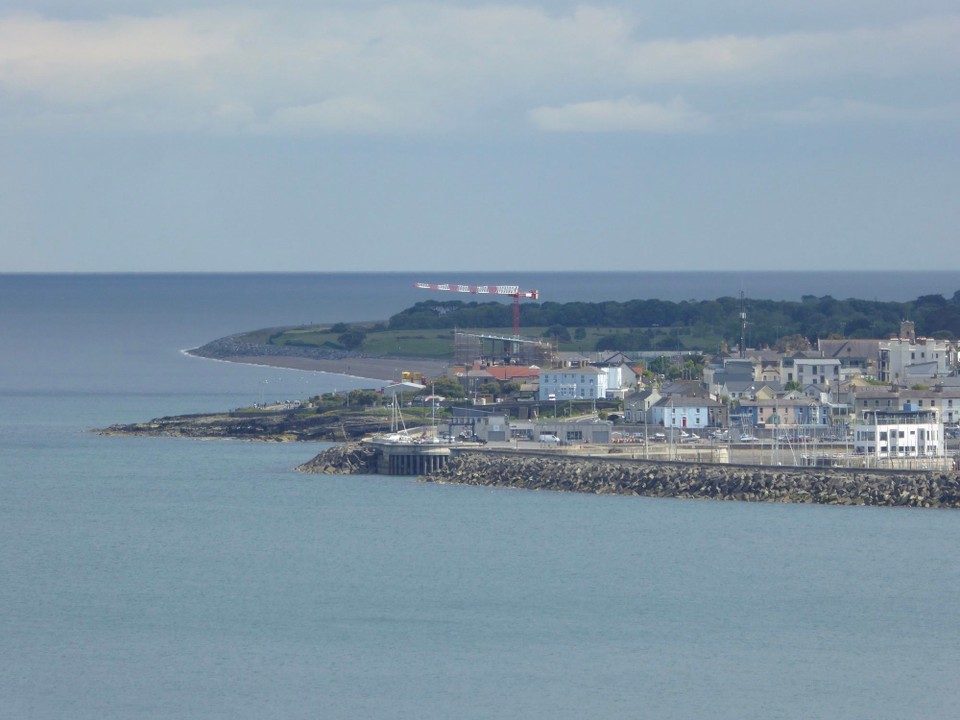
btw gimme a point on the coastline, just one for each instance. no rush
(368, 368)
(242, 348)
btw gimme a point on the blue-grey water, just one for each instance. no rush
(158, 578)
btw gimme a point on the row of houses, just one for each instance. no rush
(831, 385)
(888, 399)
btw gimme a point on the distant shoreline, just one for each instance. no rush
(239, 348)
(369, 368)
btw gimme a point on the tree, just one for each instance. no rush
(364, 398)
(559, 332)
(792, 343)
(489, 388)
(352, 339)
(511, 388)
(447, 386)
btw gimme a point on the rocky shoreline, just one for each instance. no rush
(833, 486)
(282, 426)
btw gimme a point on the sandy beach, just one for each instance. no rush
(381, 369)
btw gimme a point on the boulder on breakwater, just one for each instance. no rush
(832, 486)
(343, 459)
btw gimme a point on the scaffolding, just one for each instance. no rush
(471, 347)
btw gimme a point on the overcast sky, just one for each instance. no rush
(310, 135)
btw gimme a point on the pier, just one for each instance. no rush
(409, 457)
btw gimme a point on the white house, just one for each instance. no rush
(685, 412)
(582, 383)
(824, 372)
(903, 360)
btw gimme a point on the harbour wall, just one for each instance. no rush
(624, 476)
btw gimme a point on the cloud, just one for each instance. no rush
(86, 61)
(624, 115)
(434, 67)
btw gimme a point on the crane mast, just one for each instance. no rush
(513, 291)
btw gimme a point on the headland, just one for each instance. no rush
(246, 348)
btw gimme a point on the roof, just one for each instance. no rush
(862, 348)
(402, 387)
(617, 358)
(642, 394)
(777, 402)
(587, 369)
(743, 385)
(690, 388)
(687, 401)
(511, 372)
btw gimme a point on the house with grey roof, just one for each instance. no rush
(636, 406)
(684, 411)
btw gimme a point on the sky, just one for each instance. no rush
(302, 135)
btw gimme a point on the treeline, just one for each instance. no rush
(642, 321)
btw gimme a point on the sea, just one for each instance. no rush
(169, 578)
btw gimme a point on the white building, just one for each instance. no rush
(903, 361)
(685, 412)
(824, 372)
(620, 380)
(582, 383)
(885, 435)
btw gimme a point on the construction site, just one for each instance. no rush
(485, 348)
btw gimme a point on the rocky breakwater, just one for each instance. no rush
(695, 480)
(343, 459)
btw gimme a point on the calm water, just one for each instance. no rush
(152, 578)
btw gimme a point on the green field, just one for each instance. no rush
(439, 343)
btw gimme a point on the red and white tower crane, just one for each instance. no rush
(513, 291)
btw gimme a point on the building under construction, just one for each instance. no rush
(469, 348)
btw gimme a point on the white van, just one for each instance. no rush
(550, 439)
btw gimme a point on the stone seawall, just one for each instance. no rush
(696, 480)
(830, 486)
